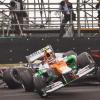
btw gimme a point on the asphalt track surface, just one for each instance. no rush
(68, 93)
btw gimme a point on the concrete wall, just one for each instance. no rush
(14, 50)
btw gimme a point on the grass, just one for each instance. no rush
(12, 65)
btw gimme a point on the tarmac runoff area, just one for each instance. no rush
(67, 93)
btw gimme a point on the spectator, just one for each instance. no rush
(67, 11)
(17, 14)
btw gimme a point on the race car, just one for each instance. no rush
(54, 72)
(96, 56)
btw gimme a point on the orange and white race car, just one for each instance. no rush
(54, 72)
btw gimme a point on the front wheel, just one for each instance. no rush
(40, 84)
(98, 74)
(42, 93)
(84, 59)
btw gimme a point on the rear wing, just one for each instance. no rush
(39, 54)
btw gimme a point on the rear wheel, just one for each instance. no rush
(27, 80)
(11, 78)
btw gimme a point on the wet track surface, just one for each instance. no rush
(67, 93)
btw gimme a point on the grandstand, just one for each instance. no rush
(43, 18)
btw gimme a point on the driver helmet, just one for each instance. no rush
(49, 57)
